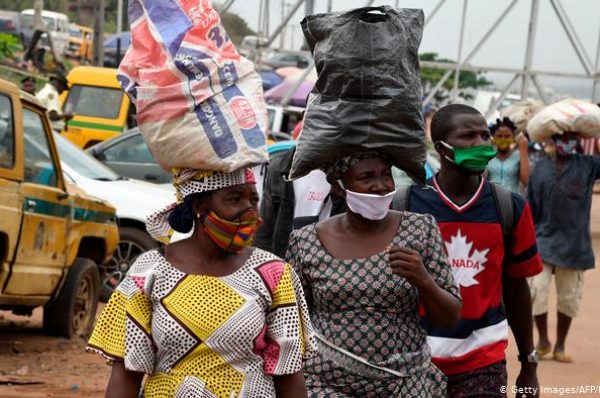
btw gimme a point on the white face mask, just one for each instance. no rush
(371, 207)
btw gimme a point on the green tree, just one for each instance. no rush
(236, 27)
(467, 78)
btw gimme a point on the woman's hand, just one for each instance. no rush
(441, 307)
(407, 263)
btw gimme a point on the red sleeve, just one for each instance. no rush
(523, 260)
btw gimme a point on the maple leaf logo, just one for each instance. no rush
(465, 265)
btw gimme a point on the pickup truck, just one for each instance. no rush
(53, 236)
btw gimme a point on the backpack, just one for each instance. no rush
(502, 200)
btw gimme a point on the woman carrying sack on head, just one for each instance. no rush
(208, 316)
(365, 273)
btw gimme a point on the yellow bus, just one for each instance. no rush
(101, 109)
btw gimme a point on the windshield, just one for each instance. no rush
(28, 21)
(75, 32)
(94, 101)
(81, 162)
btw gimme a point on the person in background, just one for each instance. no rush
(28, 85)
(490, 267)
(287, 205)
(49, 97)
(208, 316)
(510, 167)
(560, 193)
(364, 273)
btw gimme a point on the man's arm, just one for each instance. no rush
(524, 169)
(517, 302)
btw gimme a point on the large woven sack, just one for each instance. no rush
(199, 103)
(570, 115)
(520, 113)
(368, 93)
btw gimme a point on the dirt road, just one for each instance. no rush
(33, 365)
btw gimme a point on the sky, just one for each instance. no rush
(505, 48)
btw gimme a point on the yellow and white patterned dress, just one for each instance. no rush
(202, 336)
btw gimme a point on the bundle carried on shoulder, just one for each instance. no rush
(199, 103)
(368, 93)
(569, 115)
(520, 113)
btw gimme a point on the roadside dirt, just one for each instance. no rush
(33, 365)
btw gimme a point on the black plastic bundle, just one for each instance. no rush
(368, 93)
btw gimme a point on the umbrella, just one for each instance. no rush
(287, 71)
(269, 78)
(277, 93)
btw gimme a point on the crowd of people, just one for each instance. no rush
(343, 283)
(378, 298)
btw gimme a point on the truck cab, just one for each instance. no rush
(53, 237)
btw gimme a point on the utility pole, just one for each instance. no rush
(99, 33)
(119, 29)
(329, 5)
(309, 7)
(282, 35)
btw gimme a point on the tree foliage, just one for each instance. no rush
(467, 78)
(236, 27)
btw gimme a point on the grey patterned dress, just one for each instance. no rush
(359, 305)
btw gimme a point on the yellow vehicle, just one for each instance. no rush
(101, 108)
(53, 237)
(80, 42)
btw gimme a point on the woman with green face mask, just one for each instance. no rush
(510, 167)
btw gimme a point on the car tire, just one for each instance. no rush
(73, 312)
(132, 243)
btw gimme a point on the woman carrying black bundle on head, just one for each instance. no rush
(366, 274)
(208, 316)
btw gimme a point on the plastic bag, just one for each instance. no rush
(520, 113)
(199, 103)
(368, 92)
(570, 115)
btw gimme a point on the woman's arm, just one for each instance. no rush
(524, 168)
(123, 383)
(290, 386)
(441, 307)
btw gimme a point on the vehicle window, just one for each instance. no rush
(94, 101)
(50, 23)
(133, 149)
(28, 21)
(7, 137)
(80, 161)
(39, 166)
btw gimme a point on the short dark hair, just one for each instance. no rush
(28, 79)
(441, 123)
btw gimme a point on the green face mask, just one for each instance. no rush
(475, 158)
